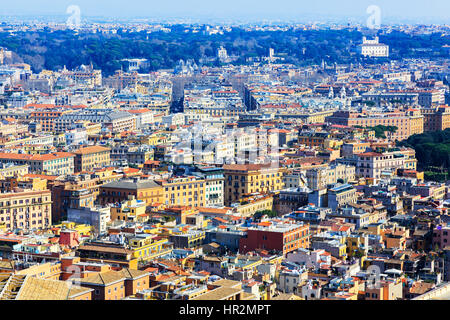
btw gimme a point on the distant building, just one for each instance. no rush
(372, 48)
(116, 121)
(136, 64)
(222, 54)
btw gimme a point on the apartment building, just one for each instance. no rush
(441, 236)
(429, 98)
(116, 285)
(359, 214)
(320, 178)
(34, 183)
(84, 74)
(386, 290)
(116, 121)
(433, 190)
(404, 76)
(184, 191)
(254, 203)
(242, 179)
(132, 154)
(129, 210)
(214, 185)
(313, 139)
(120, 121)
(117, 191)
(407, 123)
(46, 118)
(315, 116)
(187, 239)
(75, 137)
(143, 117)
(243, 141)
(26, 210)
(436, 119)
(295, 179)
(341, 195)
(88, 158)
(58, 163)
(290, 280)
(281, 236)
(148, 247)
(75, 192)
(379, 98)
(373, 164)
(351, 148)
(114, 254)
(98, 217)
(12, 170)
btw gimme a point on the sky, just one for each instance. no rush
(437, 11)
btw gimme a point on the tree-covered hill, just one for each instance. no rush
(53, 50)
(432, 150)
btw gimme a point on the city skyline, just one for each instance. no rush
(240, 152)
(435, 11)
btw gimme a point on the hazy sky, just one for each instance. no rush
(418, 10)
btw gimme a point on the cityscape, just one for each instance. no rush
(238, 159)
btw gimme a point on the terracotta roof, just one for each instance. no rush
(220, 220)
(421, 287)
(35, 157)
(104, 278)
(370, 154)
(6, 264)
(91, 149)
(245, 167)
(221, 293)
(213, 210)
(105, 249)
(44, 289)
(42, 176)
(287, 296)
(133, 274)
(134, 111)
